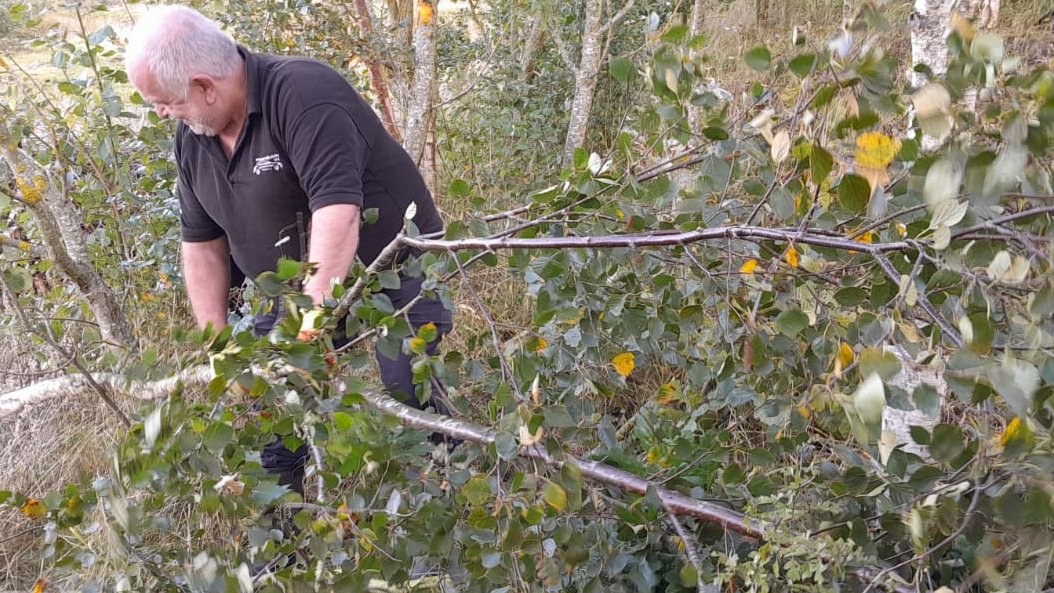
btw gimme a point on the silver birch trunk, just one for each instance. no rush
(585, 79)
(418, 114)
(61, 227)
(695, 27)
(929, 32)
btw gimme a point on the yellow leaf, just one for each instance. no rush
(792, 256)
(418, 345)
(40, 585)
(875, 150)
(749, 267)
(667, 394)
(845, 354)
(540, 344)
(1015, 431)
(624, 363)
(34, 509)
(804, 411)
(425, 12)
(865, 238)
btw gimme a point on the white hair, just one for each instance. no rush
(176, 43)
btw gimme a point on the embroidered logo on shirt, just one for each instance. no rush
(270, 162)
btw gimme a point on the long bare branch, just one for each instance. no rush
(656, 239)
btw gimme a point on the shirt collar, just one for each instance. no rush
(252, 81)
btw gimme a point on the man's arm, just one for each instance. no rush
(206, 270)
(334, 241)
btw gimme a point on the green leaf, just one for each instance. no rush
(217, 436)
(676, 34)
(850, 296)
(18, 280)
(266, 493)
(820, 163)
(927, 400)
(802, 65)
(621, 69)
(715, 133)
(506, 446)
(288, 269)
(920, 435)
(854, 192)
(877, 360)
(759, 58)
(477, 490)
(1016, 381)
(371, 215)
(946, 442)
(459, 188)
(791, 322)
(554, 496)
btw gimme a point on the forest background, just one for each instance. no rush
(750, 296)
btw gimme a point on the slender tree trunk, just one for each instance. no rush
(929, 32)
(61, 227)
(695, 28)
(984, 13)
(377, 78)
(585, 79)
(531, 46)
(415, 131)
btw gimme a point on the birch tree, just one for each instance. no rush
(587, 68)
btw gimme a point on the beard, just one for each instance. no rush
(200, 128)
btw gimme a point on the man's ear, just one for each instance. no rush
(207, 85)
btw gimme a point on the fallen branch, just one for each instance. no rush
(75, 385)
(675, 501)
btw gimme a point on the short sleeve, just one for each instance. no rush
(195, 224)
(329, 154)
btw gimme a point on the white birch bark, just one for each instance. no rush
(61, 228)
(415, 132)
(695, 28)
(585, 79)
(587, 71)
(929, 33)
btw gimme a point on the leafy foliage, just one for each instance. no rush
(736, 309)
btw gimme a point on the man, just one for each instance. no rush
(270, 149)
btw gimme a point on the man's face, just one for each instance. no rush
(193, 109)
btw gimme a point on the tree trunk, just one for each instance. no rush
(585, 79)
(531, 46)
(929, 32)
(377, 78)
(61, 227)
(423, 90)
(695, 28)
(984, 13)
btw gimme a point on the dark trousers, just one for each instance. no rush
(396, 375)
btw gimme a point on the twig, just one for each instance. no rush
(689, 546)
(52, 342)
(967, 516)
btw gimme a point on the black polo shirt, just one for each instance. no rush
(309, 140)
